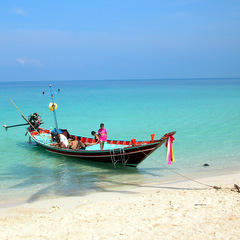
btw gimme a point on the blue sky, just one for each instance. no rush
(118, 39)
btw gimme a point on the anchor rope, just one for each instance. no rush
(191, 179)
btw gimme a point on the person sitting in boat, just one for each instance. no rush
(96, 136)
(73, 144)
(79, 145)
(54, 134)
(62, 141)
(82, 146)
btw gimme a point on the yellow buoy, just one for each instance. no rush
(51, 106)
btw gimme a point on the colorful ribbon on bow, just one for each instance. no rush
(169, 145)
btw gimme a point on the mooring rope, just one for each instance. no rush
(191, 179)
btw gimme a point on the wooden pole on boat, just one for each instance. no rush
(28, 121)
(54, 109)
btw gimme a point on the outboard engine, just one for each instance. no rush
(35, 120)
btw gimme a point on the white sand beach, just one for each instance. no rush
(183, 210)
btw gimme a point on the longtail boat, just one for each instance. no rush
(129, 152)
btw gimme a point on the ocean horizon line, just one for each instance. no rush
(126, 79)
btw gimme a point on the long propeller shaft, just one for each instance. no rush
(17, 125)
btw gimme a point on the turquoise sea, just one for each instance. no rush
(204, 112)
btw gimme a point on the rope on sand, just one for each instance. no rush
(191, 179)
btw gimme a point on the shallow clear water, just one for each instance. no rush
(204, 112)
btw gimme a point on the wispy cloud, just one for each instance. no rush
(19, 11)
(27, 61)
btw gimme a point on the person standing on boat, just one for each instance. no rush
(102, 133)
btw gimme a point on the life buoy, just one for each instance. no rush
(51, 106)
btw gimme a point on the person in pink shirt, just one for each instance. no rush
(102, 133)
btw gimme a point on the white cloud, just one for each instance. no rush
(20, 11)
(27, 61)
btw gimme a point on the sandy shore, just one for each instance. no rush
(183, 210)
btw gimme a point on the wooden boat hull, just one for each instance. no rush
(126, 155)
